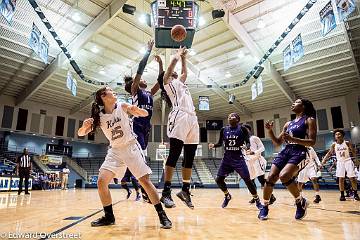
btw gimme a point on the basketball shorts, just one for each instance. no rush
(183, 126)
(229, 165)
(347, 167)
(291, 154)
(129, 156)
(307, 173)
(256, 165)
(142, 133)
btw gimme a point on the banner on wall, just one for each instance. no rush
(71, 83)
(55, 159)
(287, 58)
(298, 49)
(204, 103)
(344, 8)
(5, 183)
(7, 9)
(327, 19)
(14, 183)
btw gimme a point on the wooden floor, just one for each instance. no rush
(45, 211)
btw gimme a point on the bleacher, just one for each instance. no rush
(90, 164)
(214, 163)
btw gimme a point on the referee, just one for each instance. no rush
(23, 170)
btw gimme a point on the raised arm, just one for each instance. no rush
(276, 140)
(311, 140)
(183, 76)
(220, 142)
(86, 127)
(134, 110)
(156, 87)
(328, 154)
(141, 68)
(172, 65)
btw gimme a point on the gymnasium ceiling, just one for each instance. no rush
(107, 48)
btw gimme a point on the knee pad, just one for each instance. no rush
(288, 182)
(269, 183)
(189, 155)
(175, 151)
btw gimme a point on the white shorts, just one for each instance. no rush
(345, 166)
(256, 165)
(307, 173)
(130, 156)
(183, 126)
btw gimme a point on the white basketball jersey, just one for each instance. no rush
(342, 151)
(256, 145)
(179, 95)
(312, 157)
(117, 127)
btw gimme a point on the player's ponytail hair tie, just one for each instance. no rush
(95, 109)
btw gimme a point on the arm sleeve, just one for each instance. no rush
(220, 142)
(143, 63)
(260, 146)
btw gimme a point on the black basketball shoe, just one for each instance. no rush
(103, 221)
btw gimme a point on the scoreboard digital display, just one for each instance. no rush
(168, 13)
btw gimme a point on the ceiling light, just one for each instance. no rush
(95, 49)
(261, 24)
(241, 54)
(228, 75)
(142, 19)
(218, 13)
(201, 21)
(76, 17)
(142, 50)
(102, 72)
(34, 134)
(192, 52)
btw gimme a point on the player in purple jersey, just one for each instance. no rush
(297, 135)
(234, 137)
(141, 126)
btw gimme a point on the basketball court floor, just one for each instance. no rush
(43, 212)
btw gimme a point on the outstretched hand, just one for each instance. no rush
(150, 45)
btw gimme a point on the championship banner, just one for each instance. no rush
(74, 87)
(327, 19)
(7, 9)
(287, 58)
(54, 159)
(253, 91)
(44, 50)
(69, 80)
(345, 8)
(204, 103)
(259, 85)
(34, 41)
(298, 49)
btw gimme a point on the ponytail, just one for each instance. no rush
(95, 109)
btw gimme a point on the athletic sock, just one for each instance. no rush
(167, 186)
(342, 193)
(109, 211)
(256, 197)
(298, 199)
(186, 187)
(158, 207)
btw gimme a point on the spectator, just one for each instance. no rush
(65, 177)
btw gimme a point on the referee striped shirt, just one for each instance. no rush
(24, 161)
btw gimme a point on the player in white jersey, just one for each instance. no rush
(182, 129)
(344, 165)
(310, 173)
(255, 162)
(125, 151)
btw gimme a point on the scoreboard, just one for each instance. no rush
(168, 13)
(173, 12)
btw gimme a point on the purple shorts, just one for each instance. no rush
(293, 154)
(229, 165)
(142, 135)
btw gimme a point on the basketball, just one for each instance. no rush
(178, 33)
